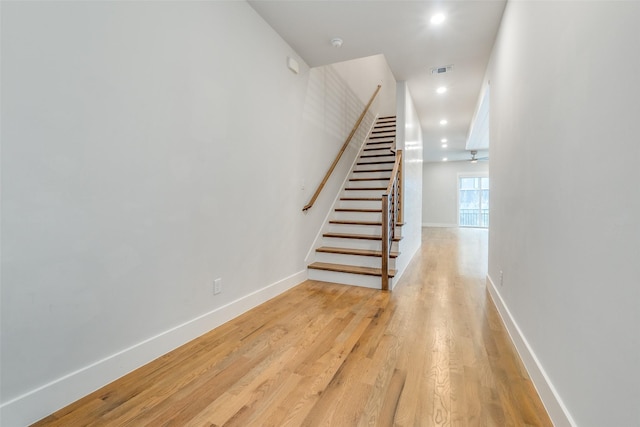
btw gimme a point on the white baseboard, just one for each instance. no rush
(44, 400)
(439, 224)
(551, 400)
(403, 266)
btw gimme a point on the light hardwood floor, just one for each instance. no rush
(431, 353)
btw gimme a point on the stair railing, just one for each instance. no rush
(342, 150)
(391, 215)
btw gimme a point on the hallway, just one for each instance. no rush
(432, 352)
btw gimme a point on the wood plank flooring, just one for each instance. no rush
(431, 353)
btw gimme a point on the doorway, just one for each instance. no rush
(473, 201)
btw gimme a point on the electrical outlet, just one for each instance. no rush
(217, 286)
(501, 278)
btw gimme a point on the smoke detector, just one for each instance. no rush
(336, 42)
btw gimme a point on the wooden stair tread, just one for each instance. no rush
(381, 162)
(361, 252)
(342, 268)
(357, 236)
(367, 156)
(358, 210)
(362, 199)
(372, 170)
(355, 222)
(368, 179)
(365, 188)
(379, 148)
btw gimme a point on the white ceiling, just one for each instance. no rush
(401, 31)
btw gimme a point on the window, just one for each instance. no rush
(473, 201)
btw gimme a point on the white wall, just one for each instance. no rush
(565, 203)
(440, 190)
(147, 149)
(377, 72)
(409, 139)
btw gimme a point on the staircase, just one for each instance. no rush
(351, 243)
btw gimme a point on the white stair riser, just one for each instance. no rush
(382, 175)
(369, 167)
(369, 184)
(344, 259)
(388, 163)
(360, 204)
(373, 282)
(362, 193)
(378, 149)
(382, 143)
(383, 148)
(377, 156)
(374, 245)
(358, 216)
(386, 142)
(369, 230)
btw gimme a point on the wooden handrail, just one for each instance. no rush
(391, 215)
(344, 147)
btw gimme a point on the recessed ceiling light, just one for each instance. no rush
(443, 122)
(336, 42)
(444, 145)
(441, 89)
(443, 140)
(444, 159)
(438, 18)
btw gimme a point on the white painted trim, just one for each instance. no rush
(400, 272)
(44, 400)
(440, 225)
(551, 400)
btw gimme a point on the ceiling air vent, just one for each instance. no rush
(442, 70)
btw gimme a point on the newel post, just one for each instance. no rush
(385, 242)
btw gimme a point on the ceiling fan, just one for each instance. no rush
(475, 159)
